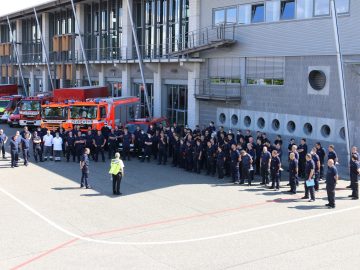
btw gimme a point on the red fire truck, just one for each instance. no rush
(55, 114)
(8, 89)
(30, 109)
(101, 112)
(7, 105)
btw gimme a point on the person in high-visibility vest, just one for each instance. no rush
(117, 172)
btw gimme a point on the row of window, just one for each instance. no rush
(259, 71)
(276, 10)
(291, 126)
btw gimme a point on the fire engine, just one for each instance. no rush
(101, 112)
(54, 115)
(8, 105)
(30, 110)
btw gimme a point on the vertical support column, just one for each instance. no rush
(18, 38)
(194, 16)
(45, 78)
(157, 91)
(127, 38)
(243, 70)
(32, 83)
(102, 76)
(45, 31)
(78, 15)
(193, 103)
(126, 81)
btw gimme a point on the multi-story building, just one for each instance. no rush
(245, 64)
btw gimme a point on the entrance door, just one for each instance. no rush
(177, 104)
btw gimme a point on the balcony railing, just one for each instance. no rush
(207, 89)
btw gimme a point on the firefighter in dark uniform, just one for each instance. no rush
(182, 159)
(320, 151)
(189, 151)
(293, 172)
(210, 159)
(246, 162)
(126, 142)
(14, 151)
(220, 161)
(265, 160)
(354, 175)
(147, 148)
(234, 164)
(79, 145)
(84, 167)
(99, 142)
(316, 160)
(176, 151)
(332, 154)
(36, 140)
(25, 147)
(162, 146)
(70, 146)
(89, 143)
(309, 175)
(331, 181)
(354, 151)
(275, 165)
(198, 152)
(112, 141)
(302, 150)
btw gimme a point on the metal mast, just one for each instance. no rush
(341, 77)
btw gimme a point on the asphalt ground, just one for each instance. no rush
(167, 219)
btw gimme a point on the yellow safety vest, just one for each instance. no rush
(115, 167)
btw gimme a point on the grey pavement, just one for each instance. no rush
(193, 221)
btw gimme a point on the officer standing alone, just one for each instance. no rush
(117, 172)
(84, 167)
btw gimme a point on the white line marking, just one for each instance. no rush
(259, 228)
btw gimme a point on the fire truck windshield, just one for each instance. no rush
(4, 103)
(55, 113)
(30, 105)
(83, 112)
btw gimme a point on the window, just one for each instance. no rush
(304, 9)
(102, 112)
(342, 6)
(265, 71)
(222, 80)
(257, 13)
(322, 8)
(219, 17)
(272, 11)
(231, 16)
(225, 16)
(244, 14)
(287, 10)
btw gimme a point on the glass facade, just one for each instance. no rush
(103, 32)
(177, 104)
(32, 48)
(162, 26)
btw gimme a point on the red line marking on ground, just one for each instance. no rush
(146, 225)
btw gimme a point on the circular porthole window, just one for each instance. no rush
(325, 131)
(342, 133)
(317, 79)
(291, 126)
(222, 118)
(275, 124)
(247, 121)
(234, 119)
(261, 123)
(308, 129)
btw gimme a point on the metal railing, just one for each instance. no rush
(209, 89)
(173, 48)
